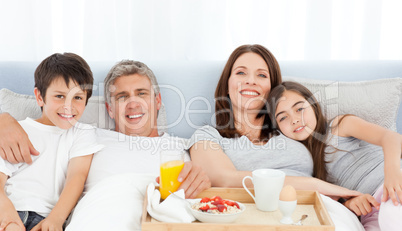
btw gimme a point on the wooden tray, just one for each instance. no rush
(308, 202)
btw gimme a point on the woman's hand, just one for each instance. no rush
(362, 205)
(392, 186)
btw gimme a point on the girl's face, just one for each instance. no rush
(249, 83)
(295, 116)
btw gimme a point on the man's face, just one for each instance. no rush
(134, 106)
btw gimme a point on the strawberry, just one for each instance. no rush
(228, 202)
(237, 205)
(216, 198)
(221, 208)
(221, 202)
(204, 208)
(205, 200)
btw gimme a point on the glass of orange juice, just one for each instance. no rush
(172, 162)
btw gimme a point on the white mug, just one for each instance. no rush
(268, 184)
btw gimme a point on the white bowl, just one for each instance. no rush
(216, 218)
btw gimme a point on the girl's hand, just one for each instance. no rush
(361, 205)
(392, 186)
(49, 223)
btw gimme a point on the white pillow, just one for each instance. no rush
(376, 101)
(115, 203)
(22, 106)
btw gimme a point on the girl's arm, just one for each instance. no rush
(391, 143)
(8, 214)
(222, 172)
(77, 173)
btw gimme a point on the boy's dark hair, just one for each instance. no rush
(69, 66)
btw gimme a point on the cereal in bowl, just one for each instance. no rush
(216, 205)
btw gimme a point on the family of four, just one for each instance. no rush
(343, 157)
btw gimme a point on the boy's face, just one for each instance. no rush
(63, 105)
(134, 106)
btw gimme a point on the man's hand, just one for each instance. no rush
(15, 146)
(194, 180)
(362, 205)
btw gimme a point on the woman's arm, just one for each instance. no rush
(219, 168)
(222, 172)
(391, 143)
(15, 146)
(77, 173)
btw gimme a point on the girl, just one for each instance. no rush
(345, 152)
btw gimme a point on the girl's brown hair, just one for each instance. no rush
(315, 143)
(223, 111)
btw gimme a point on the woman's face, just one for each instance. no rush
(295, 116)
(249, 83)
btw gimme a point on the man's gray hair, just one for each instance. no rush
(128, 67)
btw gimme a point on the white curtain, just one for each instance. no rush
(111, 30)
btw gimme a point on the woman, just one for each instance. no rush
(243, 139)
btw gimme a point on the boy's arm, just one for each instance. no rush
(14, 142)
(8, 214)
(77, 173)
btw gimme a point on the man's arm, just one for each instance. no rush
(77, 173)
(15, 146)
(8, 214)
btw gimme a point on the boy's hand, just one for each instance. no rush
(9, 218)
(362, 205)
(392, 186)
(49, 223)
(15, 146)
(14, 227)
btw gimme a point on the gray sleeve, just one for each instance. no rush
(205, 133)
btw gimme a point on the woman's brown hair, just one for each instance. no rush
(315, 143)
(223, 111)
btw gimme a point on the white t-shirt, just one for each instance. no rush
(37, 187)
(130, 154)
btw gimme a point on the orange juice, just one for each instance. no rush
(169, 173)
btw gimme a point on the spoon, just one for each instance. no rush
(301, 219)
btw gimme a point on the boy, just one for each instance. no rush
(34, 196)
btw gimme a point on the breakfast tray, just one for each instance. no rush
(308, 202)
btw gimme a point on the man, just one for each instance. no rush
(132, 101)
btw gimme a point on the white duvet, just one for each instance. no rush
(116, 203)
